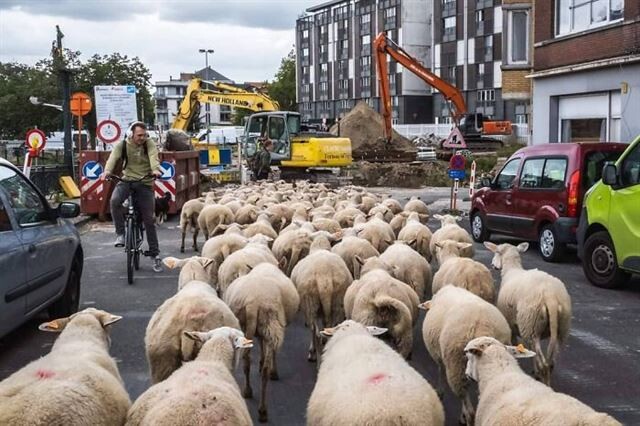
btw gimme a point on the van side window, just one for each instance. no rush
(5, 223)
(630, 173)
(508, 174)
(531, 175)
(555, 170)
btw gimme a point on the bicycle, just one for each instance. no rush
(133, 229)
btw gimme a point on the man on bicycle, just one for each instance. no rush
(140, 158)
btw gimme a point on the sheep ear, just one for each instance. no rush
(522, 247)
(423, 216)
(412, 243)
(172, 262)
(520, 351)
(458, 218)
(283, 263)
(438, 216)
(463, 246)
(109, 319)
(328, 332)
(197, 336)
(438, 244)
(360, 260)
(376, 331)
(204, 261)
(220, 229)
(249, 267)
(425, 305)
(242, 343)
(492, 247)
(55, 326)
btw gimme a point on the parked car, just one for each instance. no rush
(41, 256)
(538, 194)
(609, 229)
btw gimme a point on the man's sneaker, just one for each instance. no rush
(119, 241)
(157, 264)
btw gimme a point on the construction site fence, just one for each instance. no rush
(410, 131)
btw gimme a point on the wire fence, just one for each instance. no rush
(410, 131)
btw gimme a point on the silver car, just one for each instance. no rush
(41, 256)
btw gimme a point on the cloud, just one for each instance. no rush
(91, 10)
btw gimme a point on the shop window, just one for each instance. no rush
(580, 15)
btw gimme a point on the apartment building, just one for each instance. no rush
(335, 62)
(169, 95)
(586, 70)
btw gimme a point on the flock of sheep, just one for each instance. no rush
(358, 266)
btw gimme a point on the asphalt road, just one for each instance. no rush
(598, 364)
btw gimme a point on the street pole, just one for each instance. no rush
(64, 76)
(207, 107)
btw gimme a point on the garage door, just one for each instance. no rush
(587, 118)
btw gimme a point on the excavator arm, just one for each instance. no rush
(383, 46)
(224, 95)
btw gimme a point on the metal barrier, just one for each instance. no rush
(47, 178)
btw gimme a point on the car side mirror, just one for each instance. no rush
(485, 182)
(610, 174)
(68, 210)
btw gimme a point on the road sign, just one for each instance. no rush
(168, 170)
(117, 103)
(108, 131)
(92, 170)
(80, 104)
(457, 162)
(456, 174)
(36, 140)
(455, 140)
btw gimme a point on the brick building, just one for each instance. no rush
(586, 70)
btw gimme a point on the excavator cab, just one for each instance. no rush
(279, 127)
(472, 124)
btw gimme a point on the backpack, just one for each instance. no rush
(124, 155)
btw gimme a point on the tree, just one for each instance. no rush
(283, 87)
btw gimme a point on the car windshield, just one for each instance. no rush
(593, 163)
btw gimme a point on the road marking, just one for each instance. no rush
(600, 343)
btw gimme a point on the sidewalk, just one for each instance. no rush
(79, 220)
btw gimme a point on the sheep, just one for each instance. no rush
(280, 215)
(196, 307)
(416, 231)
(379, 299)
(462, 271)
(352, 246)
(329, 225)
(450, 230)
(292, 245)
(508, 395)
(398, 222)
(386, 213)
(405, 264)
(346, 216)
(392, 204)
(535, 304)
(77, 383)
(378, 232)
(241, 262)
(213, 215)
(202, 391)
(376, 386)
(366, 204)
(189, 219)
(418, 206)
(220, 247)
(193, 268)
(321, 279)
(262, 225)
(454, 317)
(264, 301)
(246, 215)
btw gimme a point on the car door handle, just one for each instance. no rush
(32, 248)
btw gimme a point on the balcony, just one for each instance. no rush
(449, 9)
(449, 34)
(481, 4)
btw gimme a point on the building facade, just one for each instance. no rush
(169, 95)
(586, 71)
(335, 62)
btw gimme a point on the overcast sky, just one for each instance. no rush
(249, 37)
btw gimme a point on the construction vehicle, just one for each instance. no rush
(471, 130)
(297, 153)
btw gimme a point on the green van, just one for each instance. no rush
(609, 230)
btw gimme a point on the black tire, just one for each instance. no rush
(130, 245)
(550, 249)
(479, 231)
(70, 301)
(600, 263)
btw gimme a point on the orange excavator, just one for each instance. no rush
(470, 129)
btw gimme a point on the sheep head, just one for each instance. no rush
(483, 346)
(506, 253)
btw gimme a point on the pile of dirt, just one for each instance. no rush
(403, 175)
(365, 127)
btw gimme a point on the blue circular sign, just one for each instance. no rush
(168, 170)
(92, 170)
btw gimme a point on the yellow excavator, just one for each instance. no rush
(299, 154)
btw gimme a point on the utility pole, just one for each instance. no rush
(207, 107)
(64, 76)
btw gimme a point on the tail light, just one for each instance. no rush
(574, 190)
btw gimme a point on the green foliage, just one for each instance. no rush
(238, 116)
(283, 87)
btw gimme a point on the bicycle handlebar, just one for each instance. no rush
(119, 179)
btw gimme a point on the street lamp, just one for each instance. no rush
(36, 101)
(206, 105)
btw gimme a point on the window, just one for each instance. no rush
(593, 163)
(344, 44)
(23, 198)
(630, 171)
(480, 70)
(531, 175)
(365, 82)
(305, 52)
(365, 19)
(488, 95)
(390, 13)
(450, 22)
(343, 84)
(366, 39)
(365, 62)
(323, 29)
(583, 130)
(5, 223)
(580, 15)
(518, 37)
(479, 15)
(508, 174)
(555, 170)
(305, 34)
(324, 86)
(449, 25)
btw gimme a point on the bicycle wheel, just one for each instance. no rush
(136, 255)
(130, 246)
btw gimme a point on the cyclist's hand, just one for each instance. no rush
(105, 175)
(157, 174)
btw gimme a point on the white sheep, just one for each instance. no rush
(202, 391)
(246, 214)
(535, 304)
(462, 271)
(241, 262)
(196, 307)
(362, 381)
(77, 383)
(219, 248)
(509, 396)
(195, 268)
(378, 232)
(213, 215)
(350, 247)
(415, 204)
(418, 233)
(381, 300)
(392, 204)
(264, 301)
(292, 246)
(450, 230)
(321, 279)
(398, 222)
(189, 219)
(455, 316)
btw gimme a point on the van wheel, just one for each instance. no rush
(479, 231)
(599, 262)
(69, 302)
(550, 249)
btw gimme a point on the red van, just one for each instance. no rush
(538, 194)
